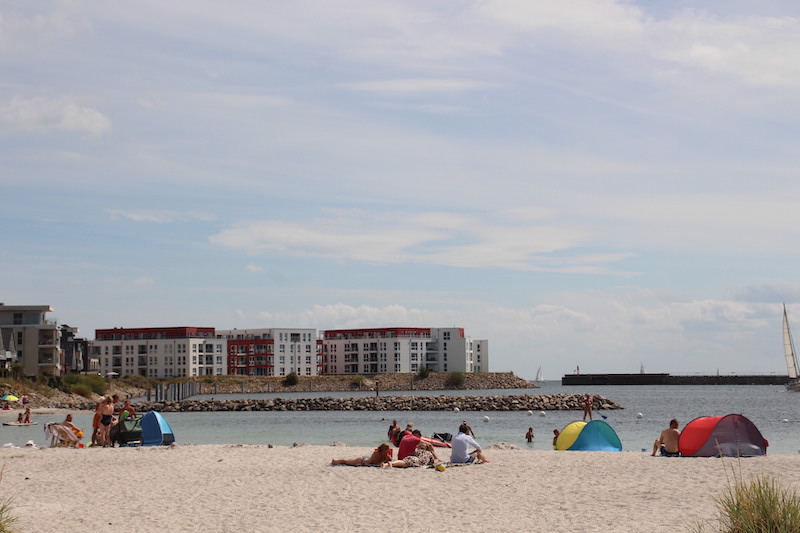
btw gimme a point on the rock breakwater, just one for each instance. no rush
(527, 402)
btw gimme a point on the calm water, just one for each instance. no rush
(767, 406)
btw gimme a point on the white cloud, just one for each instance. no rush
(43, 114)
(254, 268)
(159, 217)
(428, 238)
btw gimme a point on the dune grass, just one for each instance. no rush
(759, 505)
(7, 518)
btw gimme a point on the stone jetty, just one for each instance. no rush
(527, 402)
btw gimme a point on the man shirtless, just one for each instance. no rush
(668, 441)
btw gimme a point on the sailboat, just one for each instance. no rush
(791, 355)
(539, 375)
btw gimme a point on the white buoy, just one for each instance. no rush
(785, 420)
(485, 418)
(639, 415)
(456, 409)
(541, 413)
(530, 413)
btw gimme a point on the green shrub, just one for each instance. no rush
(423, 372)
(357, 382)
(81, 390)
(93, 382)
(138, 381)
(291, 380)
(455, 380)
(759, 505)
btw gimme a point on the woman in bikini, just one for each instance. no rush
(378, 457)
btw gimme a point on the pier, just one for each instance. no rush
(669, 379)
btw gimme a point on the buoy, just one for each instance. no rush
(485, 418)
(785, 420)
(541, 413)
(639, 415)
(530, 413)
(456, 409)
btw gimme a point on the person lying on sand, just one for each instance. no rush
(379, 457)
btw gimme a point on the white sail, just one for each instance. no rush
(539, 374)
(788, 347)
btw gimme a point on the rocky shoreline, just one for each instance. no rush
(527, 402)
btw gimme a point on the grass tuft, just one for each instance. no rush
(7, 519)
(760, 505)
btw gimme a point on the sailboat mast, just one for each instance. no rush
(788, 347)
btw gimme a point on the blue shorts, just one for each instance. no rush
(665, 453)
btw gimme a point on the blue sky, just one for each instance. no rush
(596, 183)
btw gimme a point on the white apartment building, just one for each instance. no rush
(160, 353)
(37, 339)
(273, 351)
(403, 350)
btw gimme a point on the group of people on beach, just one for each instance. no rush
(413, 450)
(105, 416)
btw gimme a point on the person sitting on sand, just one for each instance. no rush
(379, 457)
(408, 444)
(668, 441)
(424, 455)
(460, 447)
(75, 429)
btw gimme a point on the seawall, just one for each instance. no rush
(668, 379)
(543, 402)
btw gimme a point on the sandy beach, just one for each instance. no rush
(256, 488)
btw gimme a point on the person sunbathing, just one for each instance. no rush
(75, 429)
(379, 457)
(424, 455)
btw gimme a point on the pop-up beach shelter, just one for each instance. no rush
(721, 436)
(596, 436)
(156, 431)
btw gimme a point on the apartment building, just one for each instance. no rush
(273, 351)
(402, 350)
(36, 338)
(161, 353)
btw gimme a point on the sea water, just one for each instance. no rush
(772, 409)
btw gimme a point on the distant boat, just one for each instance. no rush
(539, 375)
(791, 355)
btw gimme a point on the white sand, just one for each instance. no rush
(256, 488)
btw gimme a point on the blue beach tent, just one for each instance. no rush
(596, 436)
(156, 431)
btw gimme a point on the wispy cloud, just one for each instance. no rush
(429, 238)
(159, 217)
(430, 85)
(44, 114)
